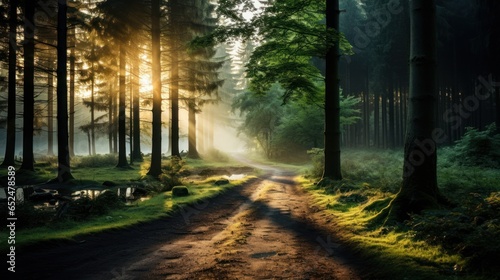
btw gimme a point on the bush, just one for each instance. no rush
(318, 162)
(478, 148)
(97, 161)
(471, 230)
(171, 173)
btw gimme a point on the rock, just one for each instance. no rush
(109, 184)
(221, 182)
(180, 191)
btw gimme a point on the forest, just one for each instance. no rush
(250, 139)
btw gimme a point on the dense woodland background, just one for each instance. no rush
(103, 35)
(294, 81)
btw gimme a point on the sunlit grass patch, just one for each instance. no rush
(371, 179)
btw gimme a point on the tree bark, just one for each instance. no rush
(192, 150)
(137, 154)
(10, 145)
(174, 99)
(50, 108)
(155, 168)
(63, 160)
(122, 148)
(332, 99)
(419, 189)
(72, 93)
(29, 85)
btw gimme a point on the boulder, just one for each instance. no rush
(180, 191)
(221, 182)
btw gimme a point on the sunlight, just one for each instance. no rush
(84, 93)
(145, 83)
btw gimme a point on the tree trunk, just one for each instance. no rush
(50, 108)
(10, 145)
(391, 129)
(419, 189)
(63, 160)
(174, 98)
(376, 119)
(72, 93)
(332, 99)
(155, 168)
(137, 154)
(92, 107)
(110, 117)
(192, 150)
(122, 148)
(115, 117)
(29, 85)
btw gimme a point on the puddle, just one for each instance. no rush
(263, 255)
(235, 176)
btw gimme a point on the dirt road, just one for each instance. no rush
(262, 230)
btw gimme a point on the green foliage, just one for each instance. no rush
(471, 230)
(286, 131)
(478, 148)
(318, 162)
(85, 208)
(170, 176)
(96, 161)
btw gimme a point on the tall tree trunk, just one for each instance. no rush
(497, 95)
(92, 107)
(115, 117)
(137, 154)
(391, 129)
(110, 117)
(384, 117)
(201, 133)
(10, 145)
(419, 189)
(192, 150)
(332, 99)
(155, 168)
(63, 160)
(122, 145)
(50, 108)
(29, 86)
(211, 128)
(72, 92)
(174, 98)
(376, 119)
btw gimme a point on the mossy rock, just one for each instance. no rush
(180, 191)
(221, 182)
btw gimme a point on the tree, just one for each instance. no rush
(63, 160)
(332, 98)
(155, 168)
(29, 86)
(10, 145)
(419, 189)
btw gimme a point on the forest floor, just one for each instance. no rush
(263, 229)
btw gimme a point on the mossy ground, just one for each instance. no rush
(160, 203)
(371, 179)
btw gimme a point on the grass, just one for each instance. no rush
(159, 205)
(371, 179)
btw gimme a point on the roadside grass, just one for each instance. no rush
(371, 179)
(158, 205)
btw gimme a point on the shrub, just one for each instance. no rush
(471, 230)
(478, 148)
(318, 162)
(97, 161)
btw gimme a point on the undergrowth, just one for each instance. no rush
(458, 243)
